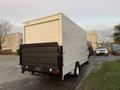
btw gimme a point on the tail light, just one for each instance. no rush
(55, 70)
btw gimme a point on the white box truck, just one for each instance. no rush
(53, 45)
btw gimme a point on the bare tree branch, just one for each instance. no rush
(5, 27)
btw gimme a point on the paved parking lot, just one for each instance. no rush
(101, 59)
(11, 77)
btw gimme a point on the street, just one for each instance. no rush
(11, 77)
(101, 59)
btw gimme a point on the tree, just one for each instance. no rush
(116, 35)
(5, 27)
(117, 28)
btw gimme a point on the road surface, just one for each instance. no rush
(11, 77)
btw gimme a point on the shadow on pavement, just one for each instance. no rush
(41, 82)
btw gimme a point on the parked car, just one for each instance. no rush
(116, 49)
(115, 52)
(102, 51)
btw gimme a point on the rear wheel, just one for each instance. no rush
(32, 72)
(77, 70)
(23, 68)
(106, 55)
(87, 62)
(22, 71)
(97, 54)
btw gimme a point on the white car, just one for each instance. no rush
(102, 51)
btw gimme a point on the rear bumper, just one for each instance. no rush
(44, 70)
(102, 53)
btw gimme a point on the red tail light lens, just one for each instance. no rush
(55, 71)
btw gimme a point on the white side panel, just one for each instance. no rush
(74, 45)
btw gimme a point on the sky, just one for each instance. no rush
(89, 14)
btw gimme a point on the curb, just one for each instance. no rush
(88, 71)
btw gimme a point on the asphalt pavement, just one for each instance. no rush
(101, 59)
(11, 77)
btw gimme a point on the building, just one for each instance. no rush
(13, 41)
(92, 39)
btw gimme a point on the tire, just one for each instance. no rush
(23, 69)
(106, 55)
(77, 69)
(87, 62)
(97, 54)
(32, 72)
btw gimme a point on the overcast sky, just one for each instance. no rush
(89, 14)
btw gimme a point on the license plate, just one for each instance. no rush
(38, 68)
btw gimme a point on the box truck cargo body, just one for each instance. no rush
(53, 45)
